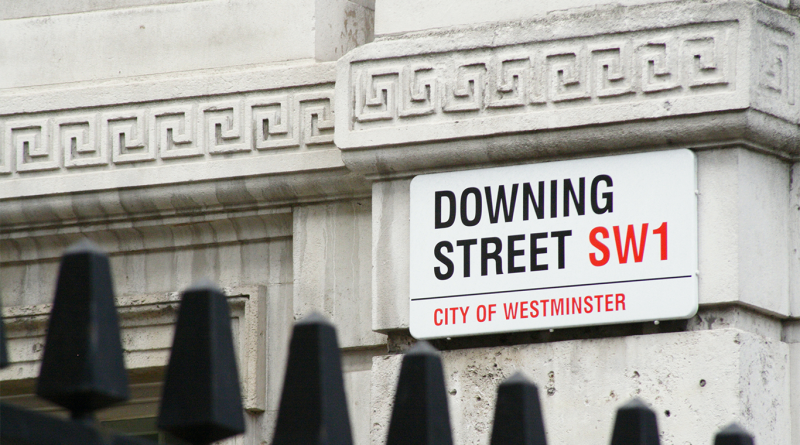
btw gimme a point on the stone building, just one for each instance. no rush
(270, 146)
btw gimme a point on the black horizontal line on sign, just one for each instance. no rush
(552, 287)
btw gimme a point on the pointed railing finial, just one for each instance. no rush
(313, 409)
(635, 425)
(733, 434)
(518, 413)
(82, 366)
(202, 402)
(420, 415)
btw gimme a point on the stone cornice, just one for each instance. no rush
(128, 237)
(157, 146)
(639, 77)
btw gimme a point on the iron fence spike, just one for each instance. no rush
(518, 414)
(733, 434)
(635, 425)
(313, 407)
(201, 401)
(420, 415)
(82, 366)
(314, 318)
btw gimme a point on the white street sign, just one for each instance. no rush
(554, 245)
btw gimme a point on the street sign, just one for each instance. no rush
(553, 245)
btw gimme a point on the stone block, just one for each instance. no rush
(155, 256)
(155, 39)
(743, 220)
(390, 254)
(332, 246)
(794, 240)
(792, 338)
(357, 369)
(407, 16)
(342, 26)
(90, 41)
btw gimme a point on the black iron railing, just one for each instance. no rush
(82, 371)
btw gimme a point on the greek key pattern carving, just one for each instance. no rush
(290, 121)
(172, 132)
(240, 125)
(76, 137)
(222, 129)
(776, 83)
(124, 133)
(29, 141)
(542, 77)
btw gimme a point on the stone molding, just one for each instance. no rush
(616, 66)
(167, 129)
(152, 235)
(147, 325)
(293, 128)
(147, 134)
(466, 92)
(159, 146)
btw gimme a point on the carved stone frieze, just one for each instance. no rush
(775, 64)
(152, 133)
(537, 82)
(171, 129)
(552, 74)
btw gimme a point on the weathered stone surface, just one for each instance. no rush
(143, 37)
(794, 240)
(791, 335)
(39, 8)
(390, 254)
(400, 16)
(345, 24)
(743, 220)
(357, 368)
(737, 316)
(697, 382)
(333, 268)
